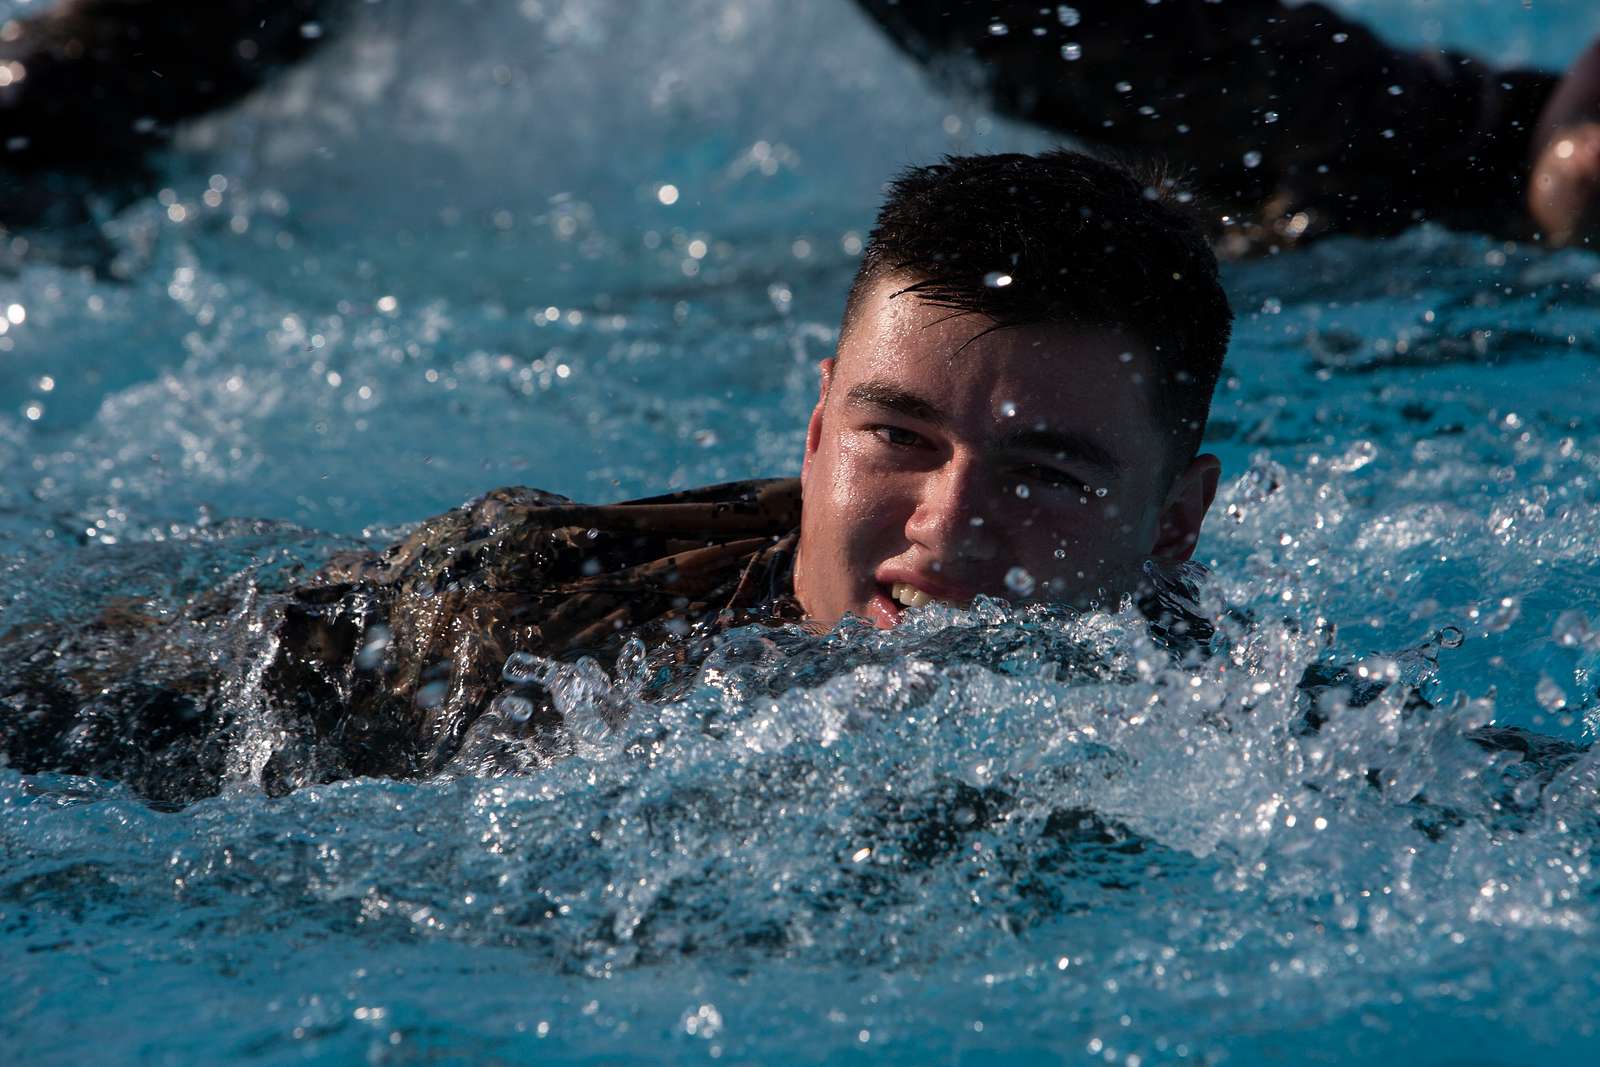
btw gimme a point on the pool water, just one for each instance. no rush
(598, 250)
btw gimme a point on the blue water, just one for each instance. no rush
(438, 259)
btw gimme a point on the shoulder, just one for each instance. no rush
(535, 528)
(442, 533)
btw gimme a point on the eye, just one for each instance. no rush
(895, 436)
(1048, 477)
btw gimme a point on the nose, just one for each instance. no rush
(952, 519)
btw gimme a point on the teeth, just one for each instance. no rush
(910, 595)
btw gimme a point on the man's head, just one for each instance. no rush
(1021, 384)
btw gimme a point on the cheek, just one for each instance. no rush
(843, 492)
(869, 503)
(1092, 528)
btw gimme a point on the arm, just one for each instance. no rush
(1296, 120)
(91, 79)
(89, 88)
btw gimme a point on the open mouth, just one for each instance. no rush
(894, 598)
(909, 595)
(882, 609)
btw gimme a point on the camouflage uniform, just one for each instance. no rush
(379, 664)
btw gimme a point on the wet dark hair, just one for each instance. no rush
(1063, 237)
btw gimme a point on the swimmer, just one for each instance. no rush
(90, 88)
(1016, 404)
(1291, 121)
(1014, 409)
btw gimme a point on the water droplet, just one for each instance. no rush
(1023, 492)
(370, 657)
(1072, 51)
(1270, 117)
(1357, 456)
(1008, 408)
(1252, 159)
(1450, 637)
(1551, 696)
(1526, 793)
(515, 708)
(1124, 87)
(1068, 16)
(1102, 491)
(1572, 629)
(1505, 612)
(998, 29)
(1019, 581)
(522, 668)
(997, 279)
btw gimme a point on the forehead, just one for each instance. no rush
(1051, 372)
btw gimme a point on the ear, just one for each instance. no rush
(814, 427)
(1185, 509)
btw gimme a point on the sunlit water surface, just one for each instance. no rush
(575, 246)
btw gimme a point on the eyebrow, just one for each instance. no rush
(1060, 444)
(881, 394)
(1066, 446)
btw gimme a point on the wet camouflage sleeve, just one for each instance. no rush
(1292, 121)
(522, 571)
(378, 664)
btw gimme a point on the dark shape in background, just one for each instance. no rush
(93, 87)
(1290, 122)
(1294, 122)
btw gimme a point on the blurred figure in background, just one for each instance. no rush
(1292, 122)
(89, 88)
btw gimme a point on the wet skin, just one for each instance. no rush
(1564, 187)
(941, 456)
